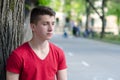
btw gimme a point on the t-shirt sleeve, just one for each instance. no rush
(62, 61)
(14, 63)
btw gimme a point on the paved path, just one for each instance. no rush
(89, 59)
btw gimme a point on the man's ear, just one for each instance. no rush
(32, 26)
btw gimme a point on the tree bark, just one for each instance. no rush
(103, 19)
(87, 14)
(11, 29)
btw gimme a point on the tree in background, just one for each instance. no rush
(11, 29)
(90, 3)
(114, 9)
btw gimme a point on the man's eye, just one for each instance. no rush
(45, 24)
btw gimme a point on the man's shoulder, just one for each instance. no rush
(21, 49)
(55, 46)
(56, 49)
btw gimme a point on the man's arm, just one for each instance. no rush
(12, 76)
(62, 74)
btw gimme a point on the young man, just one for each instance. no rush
(38, 59)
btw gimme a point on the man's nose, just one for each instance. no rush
(51, 27)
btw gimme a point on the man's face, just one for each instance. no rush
(44, 27)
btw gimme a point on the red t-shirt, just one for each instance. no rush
(29, 66)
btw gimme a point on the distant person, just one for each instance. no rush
(92, 22)
(57, 25)
(92, 27)
(38, 59)
(67, 27)
(57, 21)
(76, 31)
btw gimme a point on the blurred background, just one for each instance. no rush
(87, 18)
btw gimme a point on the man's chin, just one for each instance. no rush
(48, 38)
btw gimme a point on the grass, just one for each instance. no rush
(110, 38)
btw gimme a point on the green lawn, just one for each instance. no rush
(110, 38)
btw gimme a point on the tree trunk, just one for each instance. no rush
(87, 14)
(11, 29)
(103, 19)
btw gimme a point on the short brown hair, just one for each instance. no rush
(40, 10)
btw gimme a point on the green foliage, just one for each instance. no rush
(109, 38)
(44, 2)
(114, 9)
(56, 4)
(77, 7)
(27, 6)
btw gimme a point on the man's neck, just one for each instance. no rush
(40, 48)
(37, 44)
